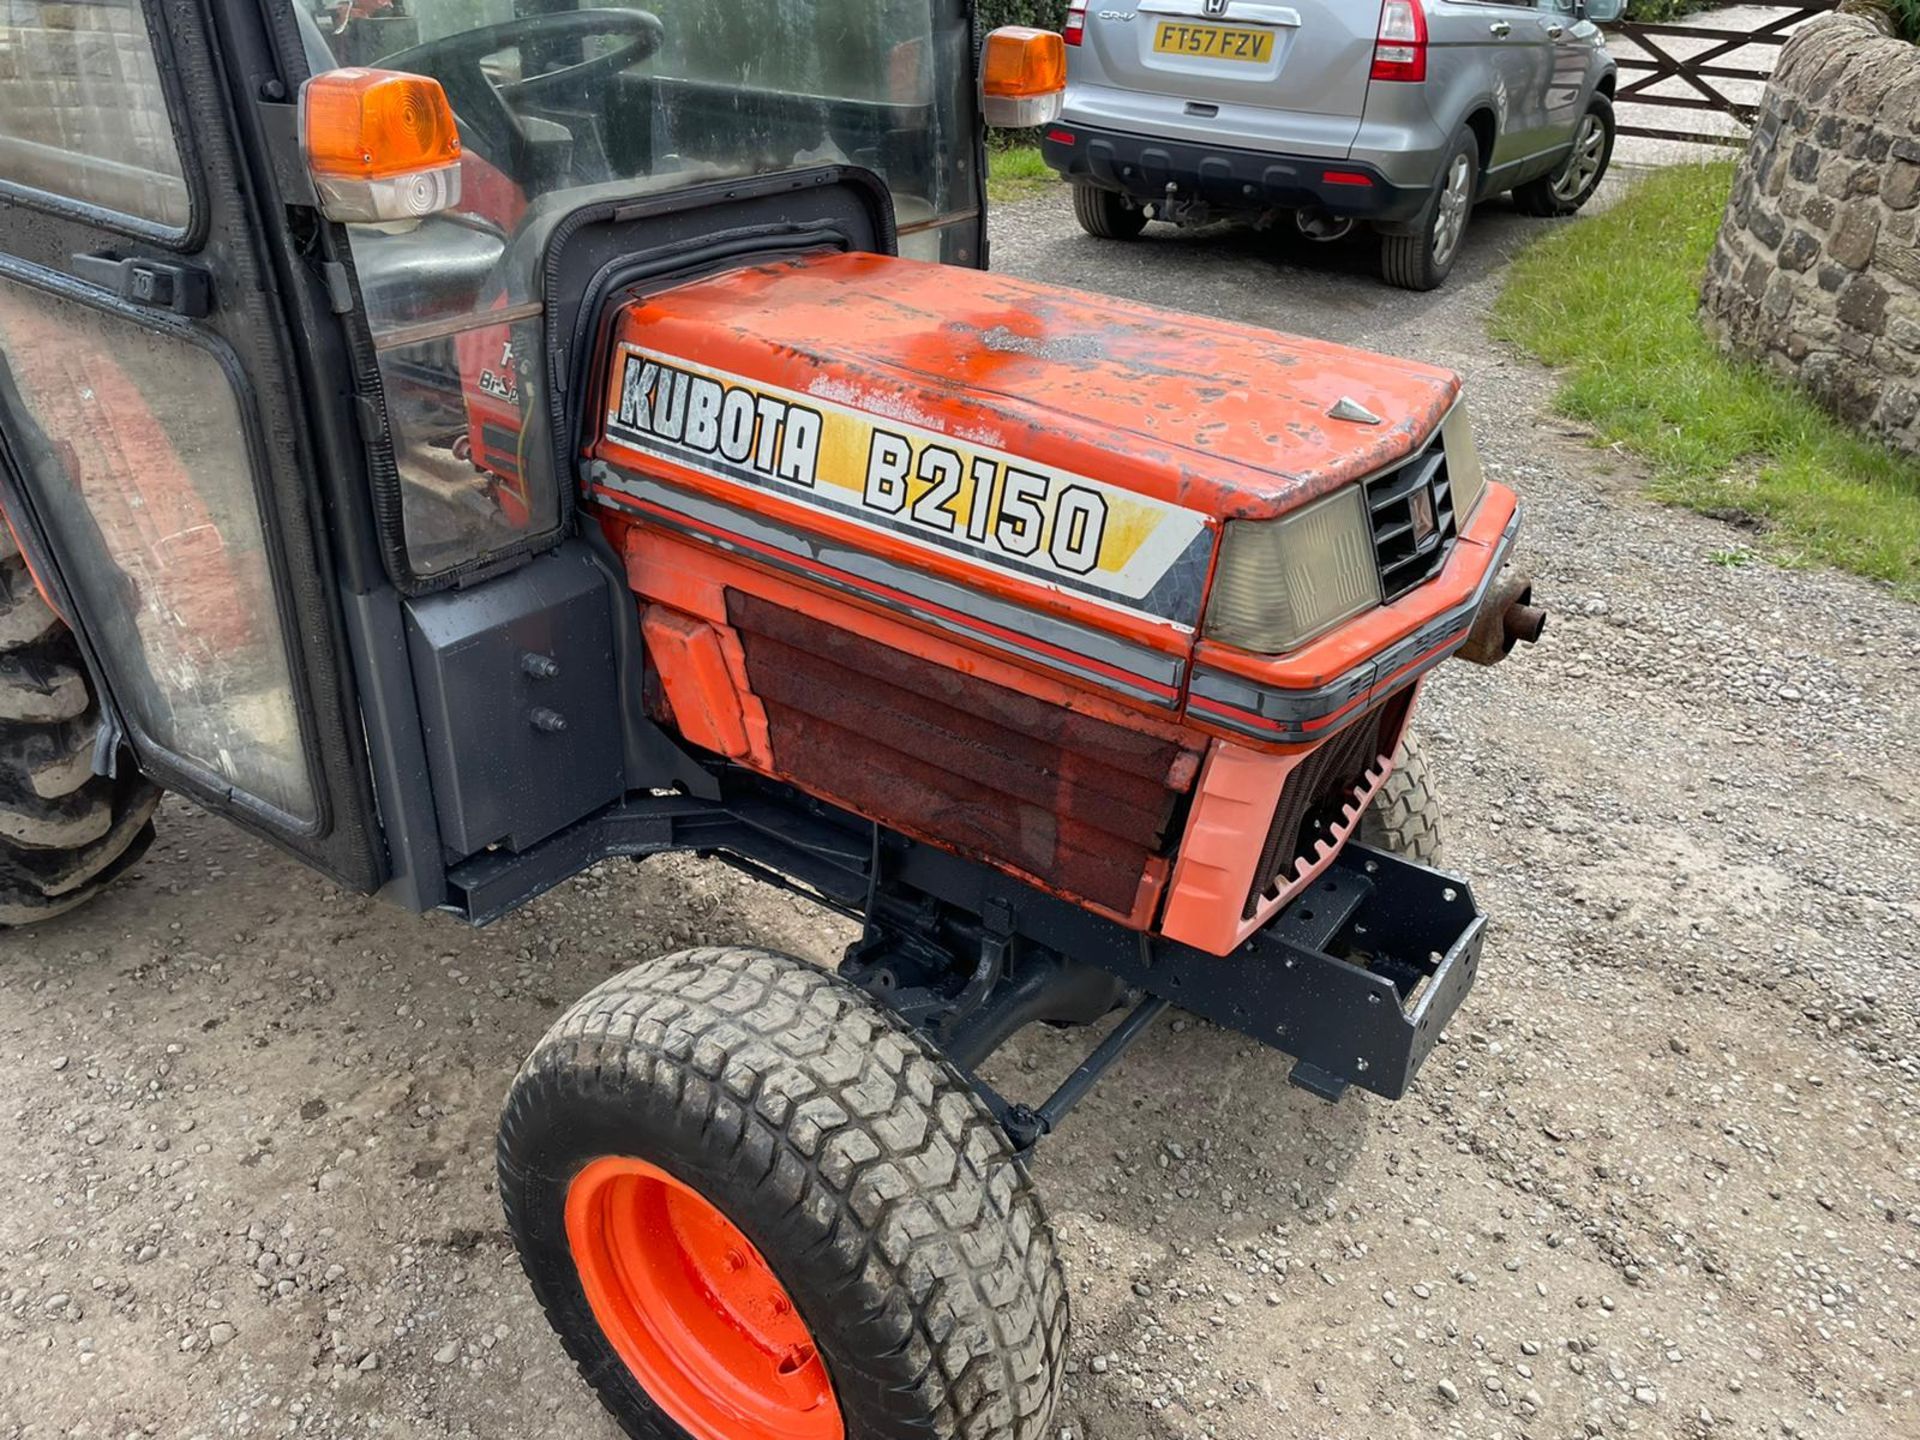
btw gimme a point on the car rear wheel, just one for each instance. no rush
(1570, 186)
(1423, 260)
(755, 1205)
(64, 831)
(1106, 213)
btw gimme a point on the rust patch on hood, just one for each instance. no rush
(1226, 419)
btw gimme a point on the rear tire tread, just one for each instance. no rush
(25, 618)
(1106, 215)
(65, 833)
(1536, 197)
(48, 761)
(25, 906)
(37, 687)
(1406, 261)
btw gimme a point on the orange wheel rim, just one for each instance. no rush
(694, 1309)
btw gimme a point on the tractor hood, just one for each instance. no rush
(1227, 420)
(981, 442)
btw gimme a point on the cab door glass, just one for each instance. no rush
(560, 104)
(82, 112)
(142, 475)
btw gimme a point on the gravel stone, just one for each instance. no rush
(1668, 846)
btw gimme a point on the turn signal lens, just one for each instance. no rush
(381, 144)
(1282, 582)
(1023, 76)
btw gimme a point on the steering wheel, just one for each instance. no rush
(486, 106)
(459, 54)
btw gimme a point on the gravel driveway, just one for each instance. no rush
(1663, 1179)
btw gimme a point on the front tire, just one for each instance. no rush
(1572, 183)
(1424, 259)
(1107, 214)
(1404, 817)
(867, 1183)
(65, 833)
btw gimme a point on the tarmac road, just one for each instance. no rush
(1661, 1180)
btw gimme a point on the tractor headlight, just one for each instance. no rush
(1465, 478)
(1282, 582)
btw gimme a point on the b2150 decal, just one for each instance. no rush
(937, 491)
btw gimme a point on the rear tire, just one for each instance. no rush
(65, 832)
(860, 1166)
(1572, 183)
(1405, 816)
(1424, 259)
(1107, 214)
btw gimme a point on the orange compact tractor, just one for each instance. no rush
(467, 440)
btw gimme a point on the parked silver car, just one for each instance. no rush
(1399, 113)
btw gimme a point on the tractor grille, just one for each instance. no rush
(1081, 804)
(1313, 803)
(1411, 509)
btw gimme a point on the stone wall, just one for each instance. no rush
(1816, 273)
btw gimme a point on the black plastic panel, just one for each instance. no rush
(517, 680)
(652, 239)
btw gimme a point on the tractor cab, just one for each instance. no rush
(279, 312)
(562, 107)
(466, 441)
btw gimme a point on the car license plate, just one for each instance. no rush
(1213, 42)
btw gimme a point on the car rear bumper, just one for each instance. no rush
(1145, 166)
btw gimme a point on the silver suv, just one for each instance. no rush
(1398, 113)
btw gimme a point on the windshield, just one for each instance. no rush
(560, 104)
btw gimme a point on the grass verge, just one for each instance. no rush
(1017, 172)
(1613, 299)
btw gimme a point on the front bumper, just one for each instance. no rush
(1228, 177)
(1355, 979)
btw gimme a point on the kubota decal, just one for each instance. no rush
(503, 382)
(1061, 644)
(1065, 530)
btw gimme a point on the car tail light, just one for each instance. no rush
(1400, 53)
(381, 144)
(1075, 30)
(1345, 177)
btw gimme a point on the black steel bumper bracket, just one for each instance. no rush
(1355, 979)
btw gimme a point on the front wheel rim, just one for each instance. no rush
(693, 1308)
(1583, 165)
(1451, 219)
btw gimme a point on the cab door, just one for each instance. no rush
(155, 443)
